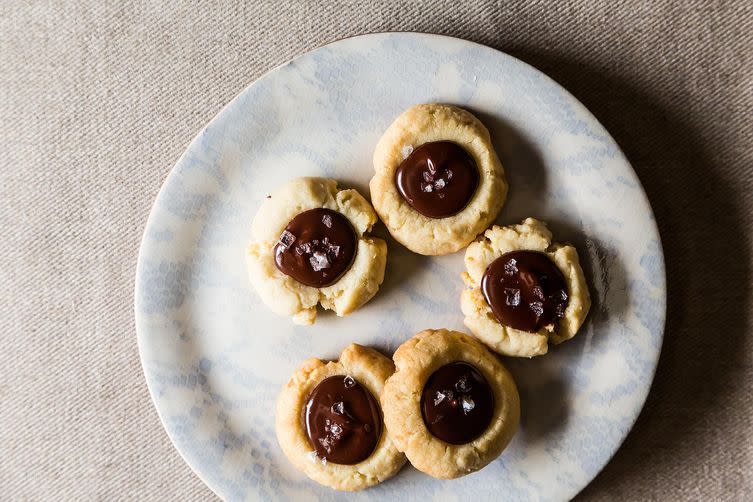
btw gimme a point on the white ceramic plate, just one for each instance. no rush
(215, 357)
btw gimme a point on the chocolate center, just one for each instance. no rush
(525, 290)
(342, 420)
(316, 248)
(457, 403)
(437, 179)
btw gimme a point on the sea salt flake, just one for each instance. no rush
(319, 261)
(538, 308)
(530, 279)
(338, 407)
(406, 151)
(427, 176)
(336, 430)
(326, 444)
(327, 220)
(439, 397)
(448, 174)
(287, 239)
(439, 184)
(511, 267)
(348, 381)
(463, 385)
(427, 187)
(512, 297)
(304, 248)
(467, 403)
(334, 250)
(538, 293)
(559, 310)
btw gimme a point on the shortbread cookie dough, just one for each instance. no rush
(523, 290)
(329, 422)
(308, 246)
(438, 181)
(450, 406)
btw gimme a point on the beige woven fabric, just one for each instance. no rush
(98, 101)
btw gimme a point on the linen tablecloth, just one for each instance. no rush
(98, 100)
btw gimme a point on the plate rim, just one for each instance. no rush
(138, 320)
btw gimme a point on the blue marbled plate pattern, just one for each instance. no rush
(214, 357)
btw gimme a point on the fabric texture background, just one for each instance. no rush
(97, 102)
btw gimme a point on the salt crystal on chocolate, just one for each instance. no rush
(512, 297)
(538, 292)
(463, 385)
(319, 261)
(336, 430)
(538, 308)
(467, 403)
(338, 407)
(439, 397)
(286, 238)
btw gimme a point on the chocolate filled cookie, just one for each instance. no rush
(438, 182)
(450, 406)
(310, 246)
(329, 420)
(523, 291)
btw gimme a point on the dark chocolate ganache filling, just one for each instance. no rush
(437, 179)
(343, 421)
(525, 290)
(457, 403)
(316, 248)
